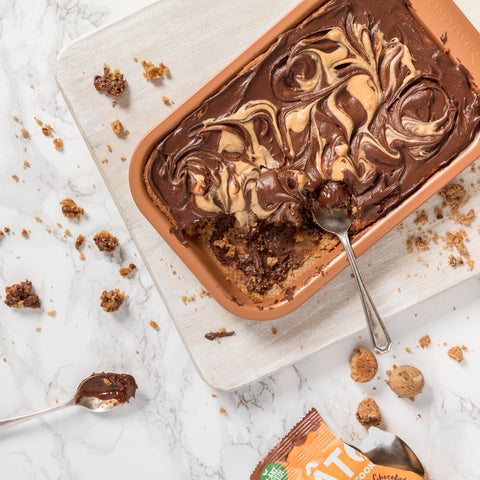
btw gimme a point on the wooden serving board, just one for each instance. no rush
(195, 45)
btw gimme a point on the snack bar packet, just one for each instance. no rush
(311, 451)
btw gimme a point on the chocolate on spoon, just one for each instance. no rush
(99, 392)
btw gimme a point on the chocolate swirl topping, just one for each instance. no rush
(358, 95)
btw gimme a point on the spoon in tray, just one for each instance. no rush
(99, 392)
(336, 221)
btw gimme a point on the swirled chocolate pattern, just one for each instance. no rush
(357, 99)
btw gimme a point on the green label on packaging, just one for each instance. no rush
(274, 471)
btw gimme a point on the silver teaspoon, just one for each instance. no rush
(336, 221)
(99, 392)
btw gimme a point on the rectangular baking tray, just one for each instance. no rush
(437, 17)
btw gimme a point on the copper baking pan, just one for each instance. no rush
(437, 17)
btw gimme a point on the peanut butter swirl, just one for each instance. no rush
(357, 94)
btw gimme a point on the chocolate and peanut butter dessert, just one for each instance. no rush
(357, 106)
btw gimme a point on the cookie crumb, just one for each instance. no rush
(125, 271)
(112, 300)
(454, 261)
(70, 209)
(105, 241)
(274, 330)
(153, 324)
(152, 72)
(438, 213)
(363, 365)
(20, 296)
(111, 83)
(425, 341)
(222, 410)
(165, 100)
(466, 218)
(454, 195)
(51, 313)
(79, 241)
(368, 413)
(58, 143)
(422, 244)
(117, 127)
(15, 177)
(186, 299)
(81, 256)
(25, 133)
(422, 217)
(47, 130)
(456, 353)
(109, 148)
(24, 233)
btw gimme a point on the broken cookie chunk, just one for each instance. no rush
(117, 127)
(454, 195)
(152, 72)
(368, 413)
(70, 209)
(105, 241)
(79, 241)
(125, 271)
(363, 365)
(111, 83)
(112, 300)
(456, 353)
(20, 296)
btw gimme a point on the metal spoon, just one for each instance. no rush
(387, 449)
(336, 221)
(82, 398)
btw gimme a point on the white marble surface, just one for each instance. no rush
(173, 429)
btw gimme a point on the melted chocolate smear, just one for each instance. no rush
(214, 335)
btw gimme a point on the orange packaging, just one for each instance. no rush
(310, 451)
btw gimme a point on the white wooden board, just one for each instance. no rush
(195, 45)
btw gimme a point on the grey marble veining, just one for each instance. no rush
(173, 428)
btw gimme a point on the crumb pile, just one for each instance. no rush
(70, 209)
(20, 296)
(111, 83)
(153, 72)
(454, 197)
(112, 300)
(105, 241)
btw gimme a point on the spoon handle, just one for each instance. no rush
(378, 333)
(4, 424)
